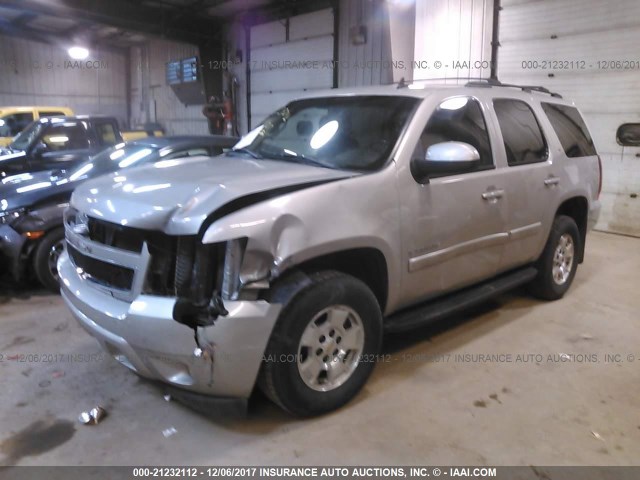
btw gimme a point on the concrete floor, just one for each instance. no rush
(414, 410)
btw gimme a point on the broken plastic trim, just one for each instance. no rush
(233, 256)
(195, 315)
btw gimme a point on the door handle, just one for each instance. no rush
(493, 194)
(552, 181)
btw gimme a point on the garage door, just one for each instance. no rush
(289, 57)
(587, 51)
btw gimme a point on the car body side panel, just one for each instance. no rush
(529, 202)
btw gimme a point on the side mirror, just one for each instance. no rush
(443, 158)
(39, 148)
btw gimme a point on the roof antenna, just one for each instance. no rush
(402, 84)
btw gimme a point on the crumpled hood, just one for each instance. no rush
(29, 189)
(177, 196)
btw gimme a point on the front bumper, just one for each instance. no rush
(142, 335)
(11, 247)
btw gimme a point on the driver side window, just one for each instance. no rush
(67, 136)
(458, 119)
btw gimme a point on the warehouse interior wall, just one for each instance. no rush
(152, 100)
(34, 73)
(453, 39)
(402, 23)
(588, 52)
(364, 61)
(359, 64)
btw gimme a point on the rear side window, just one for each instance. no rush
(458, 119)
(106, 134)
(11, 125)
(571, 130)
(50, 114)
(523, 138)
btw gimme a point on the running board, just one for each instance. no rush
(436, 309)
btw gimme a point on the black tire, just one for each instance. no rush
(42, 258)
(544, 286)
(280, 378)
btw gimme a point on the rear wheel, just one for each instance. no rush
(559, 261)
(45, 259)
(324, 345)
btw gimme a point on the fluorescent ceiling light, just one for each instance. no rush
(134, 157)
(248, 138)
(324, 134)
(455, 103)
(78, 53)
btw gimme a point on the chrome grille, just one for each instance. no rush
(103, 273)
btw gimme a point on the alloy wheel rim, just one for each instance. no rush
(54, 254)
(330, 348)
(563, 259)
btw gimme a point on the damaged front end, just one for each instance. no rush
(197, 281)
(170, 308)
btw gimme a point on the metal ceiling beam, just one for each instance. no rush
(279, 9)
(23, 19)
(126, 15)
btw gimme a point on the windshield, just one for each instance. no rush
(350, 133)
(24, 138)
(115, 158)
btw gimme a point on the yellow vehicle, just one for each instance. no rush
(131, 135)
(14, 119)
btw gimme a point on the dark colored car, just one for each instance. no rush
(32, 204)
(58, 143)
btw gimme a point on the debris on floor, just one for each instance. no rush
(167, 398)
(58, 374)
(597, 435)
(167, 432)
(93, 416)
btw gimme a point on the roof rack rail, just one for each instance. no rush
(404, 84)
(493, 82)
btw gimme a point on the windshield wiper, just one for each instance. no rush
(303, 159)
(251, 153)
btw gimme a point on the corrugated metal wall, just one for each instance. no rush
(275, 45)
(33, 73)
(370, 63)
(152, 99)
(455, 33)
(371, 13)
(566, 45)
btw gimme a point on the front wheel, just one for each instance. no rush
(559, 261)
(324, 345)
(45, 259)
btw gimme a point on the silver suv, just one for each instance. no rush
(340, 217)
